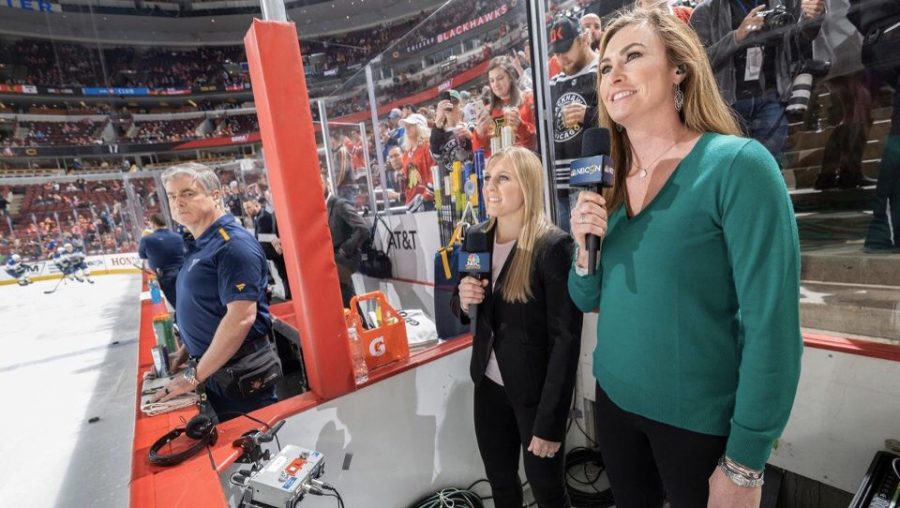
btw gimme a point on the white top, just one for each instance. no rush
(498, 259)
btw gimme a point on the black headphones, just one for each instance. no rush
(201, 428)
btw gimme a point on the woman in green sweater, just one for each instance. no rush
(697, 284)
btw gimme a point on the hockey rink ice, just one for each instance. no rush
(68, 357)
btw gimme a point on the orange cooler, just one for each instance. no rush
(388, 342)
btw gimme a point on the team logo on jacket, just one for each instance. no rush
(240, 286)
(562, 132)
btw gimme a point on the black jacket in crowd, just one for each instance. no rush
(264, 224)
(348, 233)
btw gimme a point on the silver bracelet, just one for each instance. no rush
(739, 474)
(579, 271)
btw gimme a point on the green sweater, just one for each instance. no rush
(698, 294)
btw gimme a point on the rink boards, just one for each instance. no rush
(127, 262)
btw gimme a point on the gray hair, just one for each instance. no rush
(200, 173)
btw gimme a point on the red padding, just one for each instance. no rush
(288, 137)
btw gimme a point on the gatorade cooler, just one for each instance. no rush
(387, 342)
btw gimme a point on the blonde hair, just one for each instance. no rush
(530, 174)
(423, 134)
(704, 109)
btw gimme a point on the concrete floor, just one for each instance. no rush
(68, 356)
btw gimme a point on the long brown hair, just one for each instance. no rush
(704, 109)
(528, 170)
(515, 97)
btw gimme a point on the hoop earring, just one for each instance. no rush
(619, 127)
(679, 99)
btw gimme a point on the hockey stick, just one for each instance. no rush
(56, 286)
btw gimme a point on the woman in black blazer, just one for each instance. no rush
(527, 335)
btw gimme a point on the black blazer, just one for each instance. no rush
(537, 343)
(348, 232)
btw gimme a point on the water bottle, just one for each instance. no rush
(360, 370)
(155, 293)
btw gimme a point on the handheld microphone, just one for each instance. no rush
(593, 171)
(475, 261)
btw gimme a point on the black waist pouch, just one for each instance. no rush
(251, 374)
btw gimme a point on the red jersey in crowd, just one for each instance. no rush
(525, 133)
(417, 171)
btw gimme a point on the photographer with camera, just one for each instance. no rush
(450, 139)
(754, 49)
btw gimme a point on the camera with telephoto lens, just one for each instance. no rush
(802, 86)
(776, 17)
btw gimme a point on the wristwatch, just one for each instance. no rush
(190, 375)
(740, 475)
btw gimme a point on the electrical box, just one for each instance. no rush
(280, 482)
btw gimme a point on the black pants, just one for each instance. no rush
(167, 278)
(227, 407)
(648, 462)
(503, 431)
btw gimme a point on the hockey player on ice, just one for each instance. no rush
(18, 270)
(77, 262)
(61, 259)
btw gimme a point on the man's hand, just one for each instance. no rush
(573, 114)
(177, 386)
(276, 244)
(440, 113)
(751, 23)
(812, 8)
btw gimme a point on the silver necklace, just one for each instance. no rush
(642, 170)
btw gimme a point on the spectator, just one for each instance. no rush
(163, 251)
(573, 93)
(417, 160)
(348, 232)
(450, 139)
(509, 107)
(752, 58)
(592, 24)
(395, 130)
(394, 170)
(265, 229)
(343, 167)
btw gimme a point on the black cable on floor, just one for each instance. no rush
(581, 459)
(450, 497)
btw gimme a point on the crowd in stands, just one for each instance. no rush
(406, 84)
(103, 108)
(94, 214)
(158, 68)
(359, 46)
(60, 133)
(164, 131)
(234, 125)
(52, 63)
